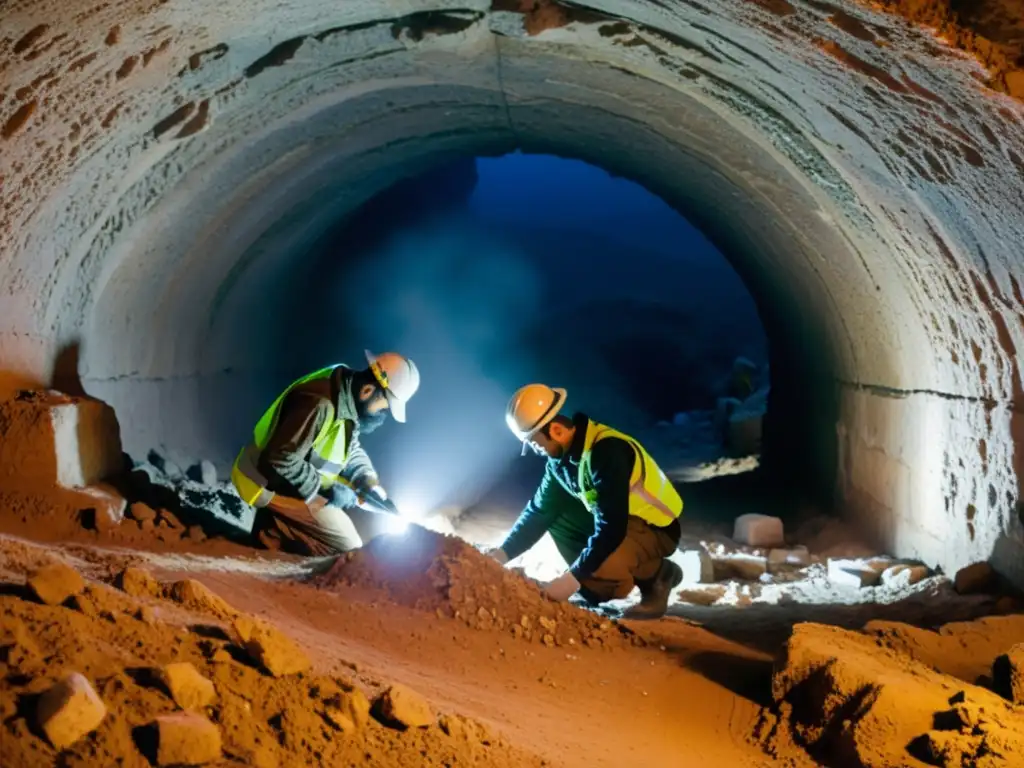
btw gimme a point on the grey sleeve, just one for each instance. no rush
(359, 470)
(283, 460)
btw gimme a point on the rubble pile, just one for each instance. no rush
(761, 564)
(443, 574)
(171, 674)
(846, 699)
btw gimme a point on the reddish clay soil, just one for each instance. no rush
(569, 705)
(510, 679)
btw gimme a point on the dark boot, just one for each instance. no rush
(654, 594)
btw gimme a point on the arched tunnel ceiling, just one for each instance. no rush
(162, 167)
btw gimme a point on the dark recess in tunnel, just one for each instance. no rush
(657, 369)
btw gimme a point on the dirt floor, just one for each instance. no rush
(509, 678)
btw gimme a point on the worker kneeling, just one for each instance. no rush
(305, 466)
(610, 509)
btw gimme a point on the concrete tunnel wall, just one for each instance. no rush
(163, 170)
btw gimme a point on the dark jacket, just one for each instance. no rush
(284, 460)
(583, 538)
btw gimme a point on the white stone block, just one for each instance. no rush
(855, 573)
(48, 440)
(759, 531)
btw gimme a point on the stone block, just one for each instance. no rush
(697, 565)
(204, 472)
(188, 688)
(186, 738)
(782, 559)
(405, 707)
(48, 439)
(855, 573)
(55, 583)
(270, 648)
(1008, 675)
(759, 531)
(904, 575)
(138, 582)
(741, 567)
(349, 711)
(69, 710)
(979, 577)
(142, 512)
(102, 507)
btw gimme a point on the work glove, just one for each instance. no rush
(341, 496)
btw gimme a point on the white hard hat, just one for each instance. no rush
(531, 408)
(398, 376)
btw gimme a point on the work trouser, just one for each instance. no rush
(294, 526)
(635, 562)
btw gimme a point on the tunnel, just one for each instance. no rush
(164, 173)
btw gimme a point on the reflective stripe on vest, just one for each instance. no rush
(328, 455)
(652, 497)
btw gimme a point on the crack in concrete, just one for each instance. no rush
(898, 394)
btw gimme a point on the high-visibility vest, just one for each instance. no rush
(329, 453)
(652, 497)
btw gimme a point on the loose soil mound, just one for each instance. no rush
(119, 643)
(444, 574)
(847, 701)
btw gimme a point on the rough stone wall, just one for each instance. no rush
(162, 167)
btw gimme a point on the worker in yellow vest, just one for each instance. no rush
(610, 509)
(305, 465)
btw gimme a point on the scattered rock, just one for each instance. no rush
(196, 533)
(138, 582)
(349, 711)
(903, 575)
(1008, 675)
(855, 573)
(403, 706)
(185, 738)
(465, 729)
(706, 596)
(759, 531)
(697, 565)
(188, 688)
(55, 583)
(204, 472)
(783, 559)
(69, 710)
(741, 567)
(171, 520)
(106, 510)
(980, 577)
(142, 512)
(1006, 605)
(196, 595)
(270, 648)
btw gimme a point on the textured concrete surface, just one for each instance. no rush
(163, 166)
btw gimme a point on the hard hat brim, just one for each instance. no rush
(396, 406)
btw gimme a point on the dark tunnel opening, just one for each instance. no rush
(495, 271)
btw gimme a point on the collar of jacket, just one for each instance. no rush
(341, 393)
(581, 422)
